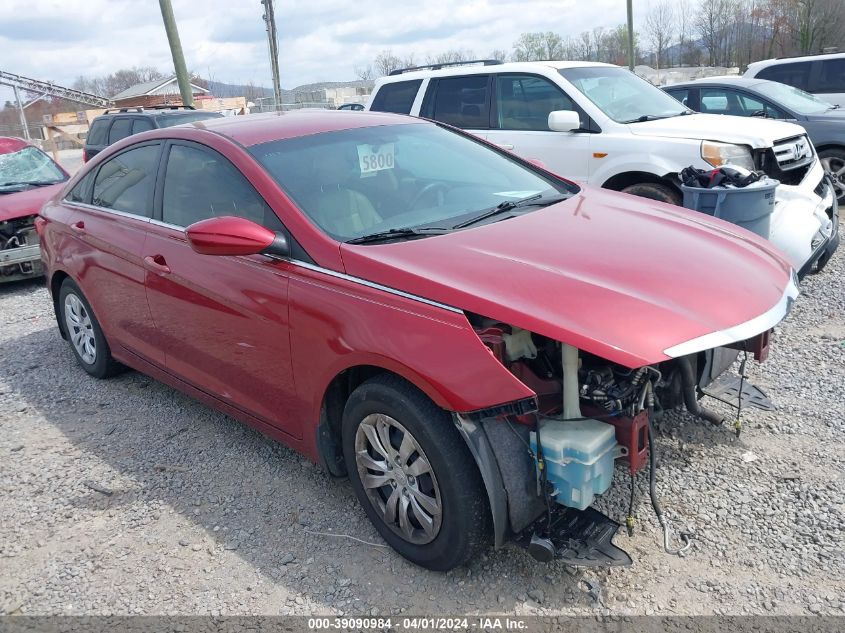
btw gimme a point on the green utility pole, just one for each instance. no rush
(631, 59)
(176, 52)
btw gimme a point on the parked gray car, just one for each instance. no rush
(740, 96)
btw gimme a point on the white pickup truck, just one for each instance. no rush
(602, 125)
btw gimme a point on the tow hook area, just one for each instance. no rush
(581, 538)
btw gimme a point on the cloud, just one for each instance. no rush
(320, 40)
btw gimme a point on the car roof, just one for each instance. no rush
(450, 71)
(158, 112)
(763, 63)
(253, 129)
(733, 80)
(10, 144)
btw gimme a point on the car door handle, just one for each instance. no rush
(157, 263)
(504, 145)
(79, 227)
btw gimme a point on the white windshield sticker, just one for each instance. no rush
(516, 194)
(373, 158)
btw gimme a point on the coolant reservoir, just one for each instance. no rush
(579, 459)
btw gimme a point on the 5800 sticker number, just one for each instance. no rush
(372, 158)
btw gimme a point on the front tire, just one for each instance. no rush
(414, 475)
(833, 161)
(654, 191)
(84, 333)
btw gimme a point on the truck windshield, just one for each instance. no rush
(28, 166)
(406, 180)
(621, 95)
(794, 99)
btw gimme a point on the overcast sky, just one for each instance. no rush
(320, 40)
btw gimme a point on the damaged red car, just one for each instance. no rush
(28, 178)
(471, 339)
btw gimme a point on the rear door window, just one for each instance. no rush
(126, 182)
(718, 101)
(98, 134)
(832, 78)
(463, 101)
(525, 101)
(396, 97)
(120, 129)
(142, 125)
(794, 74)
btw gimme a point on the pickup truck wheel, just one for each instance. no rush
(654, 191)
(833, 161)
(413, 474)
(84, 332)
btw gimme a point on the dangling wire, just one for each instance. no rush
(652, 485)
(738, 422)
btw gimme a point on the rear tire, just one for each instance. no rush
(654, 191)
(84, 333)
(414, 475)
(833, 161)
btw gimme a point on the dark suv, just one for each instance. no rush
(118, 123)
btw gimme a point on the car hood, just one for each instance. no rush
(758, 133)
(832, 116)
(621, 277)
(23, 203)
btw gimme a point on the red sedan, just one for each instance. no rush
(471, 339)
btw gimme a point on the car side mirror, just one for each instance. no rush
(230, 235)
(564, 121)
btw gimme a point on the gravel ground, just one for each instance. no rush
(126, 497)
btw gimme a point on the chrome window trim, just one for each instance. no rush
(742, 331)
(123, 214)
(313, 267)
(167, 225)
(368, 284)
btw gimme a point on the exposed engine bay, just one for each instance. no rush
(20, 255)
(591, 412)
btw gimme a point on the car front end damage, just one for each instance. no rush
(805, 223)
(545, 460)
(20, 253)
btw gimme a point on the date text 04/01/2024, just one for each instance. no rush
(425, 623)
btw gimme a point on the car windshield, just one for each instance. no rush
(169, 120)
(28, 166)
(793, 99)
(393, 178)
(621, 95)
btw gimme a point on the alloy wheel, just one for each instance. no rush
(398, 478)
(80, 329)
(835, 167)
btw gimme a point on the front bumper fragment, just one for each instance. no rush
(581, 538)
(825, 249)
(20, 255)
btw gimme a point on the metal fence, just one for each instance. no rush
(268, 104)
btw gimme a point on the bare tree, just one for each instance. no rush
(710, 23)
(365, 73)
(817, 23)
(538, 46)
(386, 62)
(451, 56)
(659, 27)
(118, 81)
